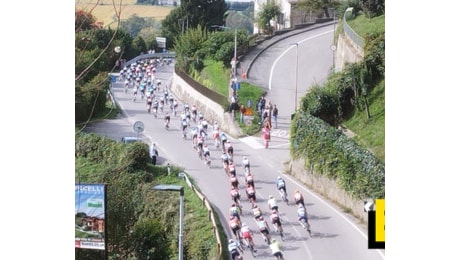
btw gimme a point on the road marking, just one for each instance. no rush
(288, 49)
(329, 206)
(252, 142)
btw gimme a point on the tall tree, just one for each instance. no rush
(191, 14)
(324, 5)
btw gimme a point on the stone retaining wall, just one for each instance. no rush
(211, 110)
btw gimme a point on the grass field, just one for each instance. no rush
(104, 10)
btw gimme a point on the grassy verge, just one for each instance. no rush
(362, 25)
(370, 133)
(216, 77)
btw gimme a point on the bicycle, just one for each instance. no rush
(207, 160)
(279, 229)
(283, 196)
(305, 225)
(247, 245)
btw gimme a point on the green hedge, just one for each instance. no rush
(327, 151)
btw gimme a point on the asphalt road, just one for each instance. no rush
(336, 235)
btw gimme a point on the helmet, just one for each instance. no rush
(230, 241)
(279, 178)
(233, 204)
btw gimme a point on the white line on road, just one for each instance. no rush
(284, 52)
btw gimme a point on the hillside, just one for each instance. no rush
(105, 11)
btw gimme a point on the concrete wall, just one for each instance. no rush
(327, 188)
(212, 111)
(347, 52)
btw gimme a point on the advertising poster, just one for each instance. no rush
(90, 216)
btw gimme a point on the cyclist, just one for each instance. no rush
(251, 193)
(256, 211)
(235, 226)
(281, 184)
(184, 128)
(233, 248)
(199, 142)
(149, 103)
(276, 221)
(155, 106)
(193, 109)
(194, 135)
(167, 120)
(264, 228)
(246, 233)
(200, 116)
(272, 203)
(231, 166)
(249, 178)
(223, 139)
(234, 181)
(234, 211)
(275, 246)
(298, 198)
(225, 161)
(206, 151)
(204, 123)
(235, 195)
(302, 215)
(246, 164)
(229, 148)
(215, 135)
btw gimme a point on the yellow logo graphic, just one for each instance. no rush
(376, 228)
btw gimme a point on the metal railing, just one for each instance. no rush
(349, 31)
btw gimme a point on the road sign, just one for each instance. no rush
(138, 127)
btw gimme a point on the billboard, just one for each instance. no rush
(90, 216)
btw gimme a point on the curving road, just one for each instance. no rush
(336, 235)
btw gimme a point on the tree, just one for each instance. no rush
(191, 14)
(270, 10)
(316, 5)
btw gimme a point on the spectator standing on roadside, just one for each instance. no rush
(242, 111)
(153, 153)
(275, 116)
(266, 135)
